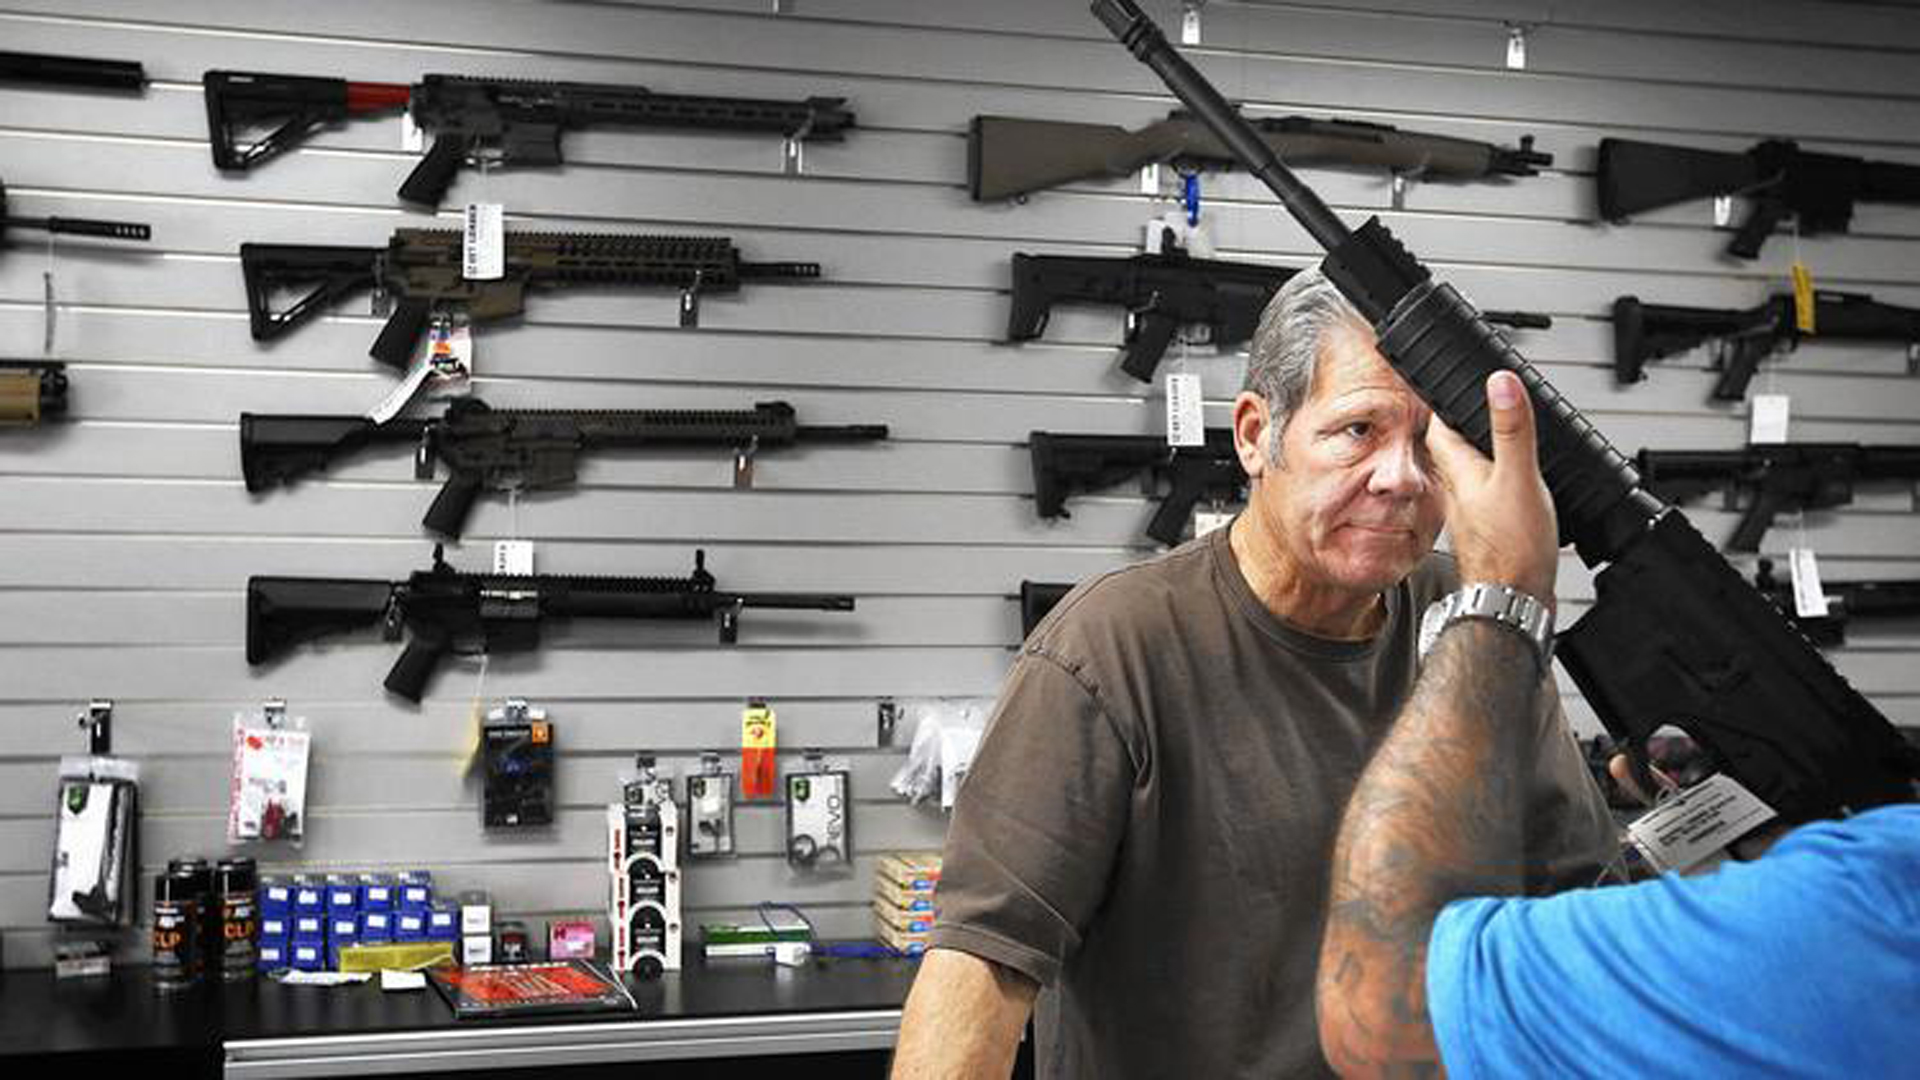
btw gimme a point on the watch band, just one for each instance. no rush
(1503, 604)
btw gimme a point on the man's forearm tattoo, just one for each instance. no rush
(1436, 815)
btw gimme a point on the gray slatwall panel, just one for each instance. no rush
(128, 533)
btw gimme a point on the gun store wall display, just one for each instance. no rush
(1670, 611)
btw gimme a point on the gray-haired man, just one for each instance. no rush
(1147, 828)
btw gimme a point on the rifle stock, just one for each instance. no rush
(285, 611)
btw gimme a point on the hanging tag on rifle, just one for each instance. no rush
(690, 300)
(1809, 599)
(48, 308)
(1802, 298)
(1185, 424)
(1722, 211)
(758, 738)
(513, 558)
(1517, 48)
(1769, 418)
(391, 405)
(412, 139)
(483, 250)
(1206, 521)
(1190, 22)
(450, 352)
(1686, 830)
(1150, 178)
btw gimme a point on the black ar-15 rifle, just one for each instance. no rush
(1779, 477)
(1676, 635)
(66, 226)
(1846, 600)
(1816, 190)
(519, 449)
(31, 391)
(423, 269)
(1643, 332)
(443, 610)
(472, 120)
(1162, 292)
(1065, 465)
(1007, 156)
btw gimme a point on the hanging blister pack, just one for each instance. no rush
(267, 787)
(518, 757)
(98, 817)
(710, 810)
(819, 820)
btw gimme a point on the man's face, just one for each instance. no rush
(1353, 501)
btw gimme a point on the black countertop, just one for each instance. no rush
(123, 1013)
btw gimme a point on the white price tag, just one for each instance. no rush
(513, 558)
(1185, 424)
(391, 405)
(1681, 833)
(1809, 599)
(1205, 521)
(412, 139)
(1722, 211)
(1190, 24)
(1768, 418)
(483, 252)
(1150, 178)
(1516, 48)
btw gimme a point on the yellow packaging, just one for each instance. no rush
(398, 956)
(918, 923)
(910, 871)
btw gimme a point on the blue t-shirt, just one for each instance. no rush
(1805, 962)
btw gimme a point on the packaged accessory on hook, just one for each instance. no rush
(98, 815)
(710, 810)
(819, 819)
(267, 796)
(944, 743)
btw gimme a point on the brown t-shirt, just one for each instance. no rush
(1147, 826)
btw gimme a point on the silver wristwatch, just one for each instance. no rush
(1504, 604)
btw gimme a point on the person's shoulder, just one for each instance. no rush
(1133, 602)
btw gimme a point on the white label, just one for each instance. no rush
(1682, 832)
(1205, 521)
(47, 311)
(1190, 24)
(484, 250)
(1185, 425)
(1722, 211)
(391, 405)
(412, 139)
(513, 558)
(1769, 418)
(392, 981)
(1809, 599)
(1516, 48)
(1150, 179)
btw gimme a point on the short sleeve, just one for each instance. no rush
(1571, 834)
(1790, 965)
(1035, 829)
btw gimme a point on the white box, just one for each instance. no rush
(476, 949)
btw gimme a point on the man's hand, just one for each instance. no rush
(1498, 512)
